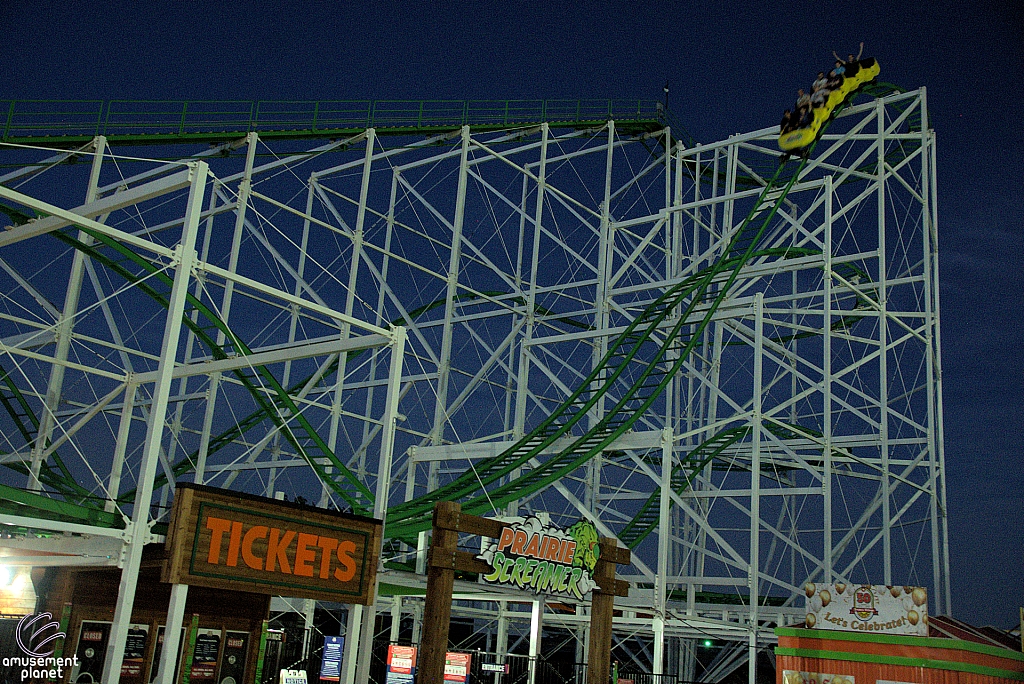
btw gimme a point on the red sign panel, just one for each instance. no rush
(401, 659)
(456, 667)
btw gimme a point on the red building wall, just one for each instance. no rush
(867, 658)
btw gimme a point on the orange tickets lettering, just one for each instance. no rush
(235, 541)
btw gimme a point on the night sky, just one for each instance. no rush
(731, 67)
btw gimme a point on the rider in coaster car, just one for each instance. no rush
(820, 91)
(820, 82)
(806, 117)
(852, 64)
(788, 122)
(835, 77)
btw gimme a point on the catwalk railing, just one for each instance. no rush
(160, 121)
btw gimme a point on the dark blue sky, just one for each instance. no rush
(732, 67)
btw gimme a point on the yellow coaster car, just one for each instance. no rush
(802, 137)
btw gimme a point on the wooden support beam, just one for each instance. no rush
(464, 561)
(470, 524)
(468, 562)
(437, 609)
(620, 555)
(602, 604)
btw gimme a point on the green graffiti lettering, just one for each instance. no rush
(538, 574)
(563, 579)
(574, 588)
(528, 571)
(554, 572)
(517, 572)
(506, 570)
(497, 563)
(556, 581)
(553, 575)
(542, 576)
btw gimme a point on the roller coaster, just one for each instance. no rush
(711, 390)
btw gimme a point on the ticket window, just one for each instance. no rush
(154, 666)
(233, 657)
(205, 656)
(272, 656)
(93, 639)
(218, 657)
(93, 636)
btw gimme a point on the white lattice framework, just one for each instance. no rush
(510, 259)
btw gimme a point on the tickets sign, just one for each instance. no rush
(867, 608)
(228, 540)
(545, 559)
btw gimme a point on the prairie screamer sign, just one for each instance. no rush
(544, 559)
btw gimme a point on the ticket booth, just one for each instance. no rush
(223, 628)
(228, 554)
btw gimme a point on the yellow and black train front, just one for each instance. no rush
(802, 137)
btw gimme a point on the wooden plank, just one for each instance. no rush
(468, 562)
(176, 533)
(441, 558)
(620, 555)
(610, 585)
(465, 561)
(449, 519)
(485, 527)
(446, 515)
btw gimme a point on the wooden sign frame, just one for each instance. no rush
(445, 558)
(229, 540)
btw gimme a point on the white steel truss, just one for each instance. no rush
(510, 259)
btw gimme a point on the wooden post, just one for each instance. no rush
(437, 610)
(445, 558)
(602, 604)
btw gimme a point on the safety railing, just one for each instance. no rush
(168, 118)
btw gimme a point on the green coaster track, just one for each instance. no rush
(68, 123)
(280, 407)
(520, 471)
(671, 348)
(659, 341)
(186, 464)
